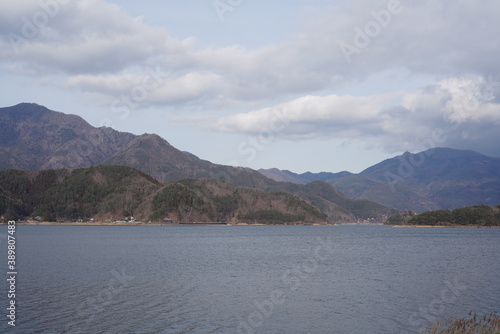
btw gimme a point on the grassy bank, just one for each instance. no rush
(488, 324)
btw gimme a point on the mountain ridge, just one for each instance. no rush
(304, 178)
(37, 138)
(148, 153)
(438, 178)
(66, 145)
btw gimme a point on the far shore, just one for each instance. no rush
(137, 223)
(140, 223)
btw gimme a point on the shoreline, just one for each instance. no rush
(139, 223)
(121, 223)
(154, 224)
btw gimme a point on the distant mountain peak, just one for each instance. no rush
(34, 106)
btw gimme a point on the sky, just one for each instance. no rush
(302, 85)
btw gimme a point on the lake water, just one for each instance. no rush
(248, 279)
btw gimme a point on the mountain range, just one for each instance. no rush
(439, 178)
(34, 138)
(38, 139)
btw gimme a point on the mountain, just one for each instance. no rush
(114, 192)
(37, 138)
(154, 155)
(40, 139)
(31, 132)
(439, 178)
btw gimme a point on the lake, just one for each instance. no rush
(248, 279)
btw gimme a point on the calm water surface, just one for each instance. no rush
(248, 279)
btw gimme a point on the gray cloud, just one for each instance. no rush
(451, 112)
(101, 50)
(89, 36)
(440, 38)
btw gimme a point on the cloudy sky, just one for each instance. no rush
(304, 85)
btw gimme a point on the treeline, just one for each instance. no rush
(73, 194)
(477, 215)
(185, 201)
(209, 200)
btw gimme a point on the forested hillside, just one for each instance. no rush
(115, 192)
(477, 215)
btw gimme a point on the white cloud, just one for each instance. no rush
(311, 116)
(147, 87)
(188, 87)
(460, 100)
(455, 108)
